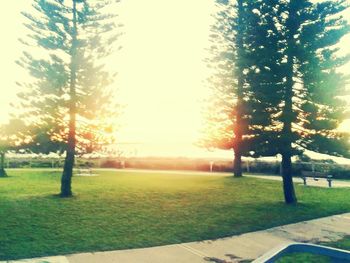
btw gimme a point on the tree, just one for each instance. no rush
(292, 87)
(228, 112)
(244, 54)
(310, 109)
(265, 77)
(71, 89)
(303, 98)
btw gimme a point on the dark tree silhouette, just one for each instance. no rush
(71, 92)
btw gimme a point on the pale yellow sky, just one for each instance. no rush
(162, 71)
(161, 67)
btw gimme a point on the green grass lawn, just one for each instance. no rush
(343, 243)
(119, 210)
(303, 257)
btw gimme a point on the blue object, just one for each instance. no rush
(337, 255)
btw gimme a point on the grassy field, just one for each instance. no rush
(303, 257)
(119, 210)
(343, 243)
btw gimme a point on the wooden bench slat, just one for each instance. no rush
(316, 176)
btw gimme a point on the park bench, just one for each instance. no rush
(316, 176)
(84, 172)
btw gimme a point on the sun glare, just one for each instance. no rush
(161, 68)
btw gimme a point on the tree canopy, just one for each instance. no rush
(277, 82)
(70, 101)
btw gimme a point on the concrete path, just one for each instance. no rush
(310, 181)
(226, 250)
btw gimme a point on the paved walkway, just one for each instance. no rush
(226, 250)
(310, 181)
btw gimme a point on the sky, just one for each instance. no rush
(161, 68)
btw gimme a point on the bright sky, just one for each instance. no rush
(161, 68)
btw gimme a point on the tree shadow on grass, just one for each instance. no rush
(54, 197)
(7, 176)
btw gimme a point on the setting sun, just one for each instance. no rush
(161, 70)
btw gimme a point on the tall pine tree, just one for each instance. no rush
(228, 111)
(243, 61)
(71, 91)
(292, 86)
(310, 109)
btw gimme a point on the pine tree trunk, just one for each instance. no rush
(237, 162)
(66, 180)
(237, 165)
(2, 165)
(288, 187)
(287, 118)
